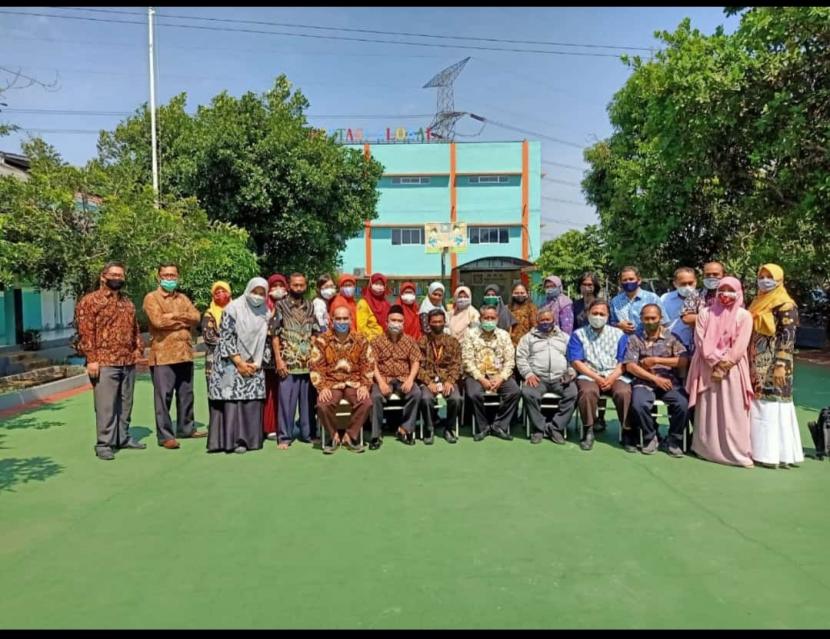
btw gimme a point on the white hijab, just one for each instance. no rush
(251, 323)
(427, 305)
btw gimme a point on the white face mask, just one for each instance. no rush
(378, 288)
(462, 302)
(256, 300)
(395, 327)
(711, 282)
(347, 291)
(408, 298)
(766, 284)
(597, 321)
(278, 293)
(328, 293)
(685, 291)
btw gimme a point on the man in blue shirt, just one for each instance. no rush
(673, 302)
(627, 305)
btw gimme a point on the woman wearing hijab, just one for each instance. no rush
(347, 286)
(326, 290)
(236, 388)
(492, 297)
(524, 311)
(718, 380)
(373, 309)
(775, 436)
(464, 314)
(220, 294)
(589, 291)
(433, 300)
(277, 290)
(559, 303)
(408, 302)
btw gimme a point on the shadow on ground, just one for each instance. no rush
(14, 471)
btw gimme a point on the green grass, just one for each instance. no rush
(476, 535)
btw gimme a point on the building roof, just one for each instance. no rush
(15, 160)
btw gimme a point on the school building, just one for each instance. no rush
(492, 187)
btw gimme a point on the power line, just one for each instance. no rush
(565, 182)
(373, 31)
(355, 116)
(556, 199)
(67, 112)
(317, 37)
(74, 131)
(564, 166)
(481, 118)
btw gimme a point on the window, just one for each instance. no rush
(413, 235)
(488, 234)
(412, 179)
(488, 179)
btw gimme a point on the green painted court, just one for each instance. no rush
(476, 535)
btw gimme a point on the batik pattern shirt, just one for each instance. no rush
(663, 345)
(601, 351)
(225, 382)
(337, 364)
(108, 332)
(525, 315)
(168, 344)
(765, 351)
(210, 335)
(440, 359)
(294, 324)
(395, 359)
(488, 356)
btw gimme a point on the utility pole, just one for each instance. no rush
(150, 29)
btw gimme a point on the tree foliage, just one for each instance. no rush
(572, 253)
(253, 161)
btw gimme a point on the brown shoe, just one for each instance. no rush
(199, 433)
(170, 443)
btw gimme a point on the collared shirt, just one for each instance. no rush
(294, 324)
(169, 345)
(525, 315)
(107, 329)
(543, 355)
(488, 356)
(440, 358)
(663, 345)
(625, 309)
(673, 305)
(395, 359)
(336, 364)
(601, 350)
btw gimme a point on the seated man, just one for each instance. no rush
(596, 352)
(654, 355)
(397, 360)
(342, 366)
(439, 374)
(488, 357)
(541, 360)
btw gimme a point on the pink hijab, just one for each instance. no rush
(722, 330)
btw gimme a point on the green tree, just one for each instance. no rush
(572, 253)
(253, 161)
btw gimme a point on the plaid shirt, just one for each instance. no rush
(663, 345)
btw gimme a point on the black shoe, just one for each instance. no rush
(600, 425)
(557, 437)
(429, 437)
(105, 453)
(480, 435)
(375, 443)
(449, 435)
(134, 445)
(405, 438)
(587, 442)
(502, 434)
(675, 451)
(536, 438)
(630, 448)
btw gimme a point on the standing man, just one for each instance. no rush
(685, 283)
(172, 316)
(542, 363)
(713, 273)
(110, 340)
(397, 360)
(439, 374)
(293, 325)
(489, 359)
(653, 356)
(626, 305)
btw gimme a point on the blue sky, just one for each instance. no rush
(102, 66)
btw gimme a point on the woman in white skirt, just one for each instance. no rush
(776, 441)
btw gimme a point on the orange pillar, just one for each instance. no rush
(525, 199)
(367, 225)
(453, 217)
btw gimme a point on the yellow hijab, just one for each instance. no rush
(214, 308)
(763, 304)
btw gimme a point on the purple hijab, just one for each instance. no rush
(562, 306)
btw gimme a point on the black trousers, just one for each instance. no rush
(429, 413)
(410, 408)
(677, 402)
(169, 379)
(533, 405)
(112, 393)
(509, 395)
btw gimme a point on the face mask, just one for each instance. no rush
(491, 300)
(169, 285)
(378, 289)
(221, 299)
(297, 295)
(553, 292)
(488, 326)
(342, 327)
(587, 290)
(685, 291)
(114, 285)
(277, 293)
(630, 287)
(408, 298)
(520, 299)
(727, 298)
(711, 282)
(597, 321)
(347, 291)
(395, 328)
(328, 293)
(462, 302)
(545, 327)
(256, 300)
(651, 326)
(766, 284)
(436, 330)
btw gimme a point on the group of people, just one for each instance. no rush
(277, 361)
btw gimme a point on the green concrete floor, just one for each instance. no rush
(476, 535)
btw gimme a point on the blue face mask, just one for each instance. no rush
(553, 292)
(545, 327)
(342, 327)
(630, 287)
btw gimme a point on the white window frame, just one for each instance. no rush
(501, 231)
(489, 179)
(411, 179)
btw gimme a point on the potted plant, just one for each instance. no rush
(31, 339)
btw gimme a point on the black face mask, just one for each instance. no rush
(297, 295)
(114, 285)
(436, 330)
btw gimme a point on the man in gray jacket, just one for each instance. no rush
(541, 360)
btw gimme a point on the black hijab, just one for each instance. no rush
(506, 319)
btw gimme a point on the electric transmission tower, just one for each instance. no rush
(443, 125)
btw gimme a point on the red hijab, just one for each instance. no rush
(274, 279)
(348, 302)
(378, 304)
(411, 322)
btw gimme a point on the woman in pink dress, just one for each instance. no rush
(718, 382)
